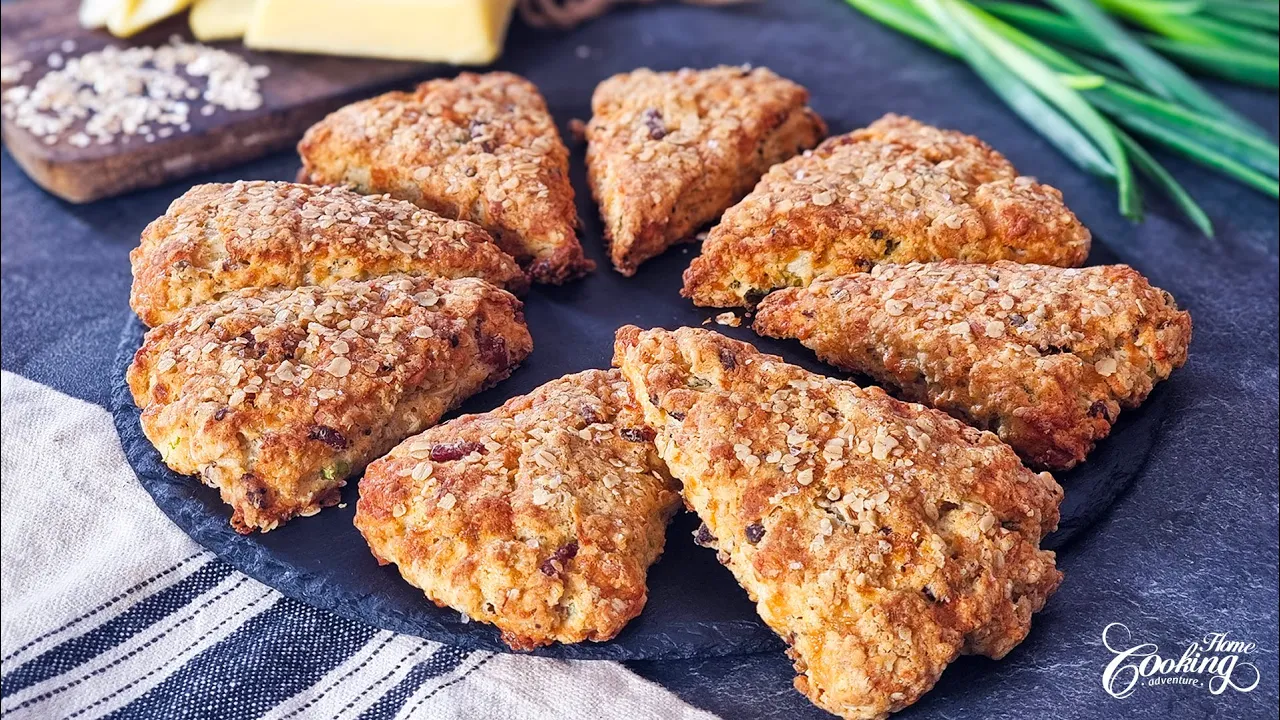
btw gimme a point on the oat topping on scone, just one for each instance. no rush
(880, 539)
(275, 397)
(541, 517)
(479, 147)
(1043, 356)
(669, 151)
(225, 236)
(897, 191)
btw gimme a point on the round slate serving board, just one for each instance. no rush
(695, 607)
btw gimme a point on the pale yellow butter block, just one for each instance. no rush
(133, 16)
(460, 32)
(220, 19)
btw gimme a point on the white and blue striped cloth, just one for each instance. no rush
(109, 610)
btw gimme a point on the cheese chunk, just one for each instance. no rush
(94, 13)
(220, 19)
(461, 32)
(133, 16)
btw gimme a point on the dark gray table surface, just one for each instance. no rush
(1190, 549)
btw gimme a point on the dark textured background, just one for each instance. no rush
(1190, 549)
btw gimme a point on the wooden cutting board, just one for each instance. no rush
(300, 90)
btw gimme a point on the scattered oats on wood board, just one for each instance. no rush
(115, 94)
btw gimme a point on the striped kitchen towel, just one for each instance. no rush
(109, 610)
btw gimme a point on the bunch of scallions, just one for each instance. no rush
(1095, 71)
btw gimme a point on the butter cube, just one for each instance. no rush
(220, 19)
(461, 32)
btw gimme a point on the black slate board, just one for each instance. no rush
(695, 608)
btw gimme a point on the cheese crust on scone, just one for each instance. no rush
(275, 397)
(479, 147)
(880, 539)
(897, 191)
(541, 517)
(667, 152)
(221, 237)
(1044, 357)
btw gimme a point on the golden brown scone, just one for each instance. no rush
(879, 538)
(1044, 357)
(478, 147)
(275, 397)
(898, 191)
(541, 517)
(225, 236)
(668, 152)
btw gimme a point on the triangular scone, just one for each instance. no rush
(225, 236)
(482, 148)
(898, 191)
(1043, 356)
(880, 539)
(668, 152)
(275, 397)
(541, 517)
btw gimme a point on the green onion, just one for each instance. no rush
(1082, 82)
(1159, 75)
(902, 16)
(1049, 85)
(1229, 63)
(1218, 58)
(1196, 29)
(1156, 6)
(1020, 97)
(1235, 34)
(1207, 141)
(1101, 67)
(1248, 16)
(1206, 156)
(1046, 25)
(1158, 118)
(1204, 140)
(1131, 106)
(1156, 173)
(905, 17)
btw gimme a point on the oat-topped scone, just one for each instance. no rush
(897, 191)
(879, 538)
(541, 517)
(225, 236)
(668, 152)
(275, 397)
(478, 147)
(1044, 357)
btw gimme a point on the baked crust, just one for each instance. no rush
(275, 397)
(668, 152)
(1044, 357)
(879, 538)
(226, 236)
(541, 517)
(479, 147)
(897, 191)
